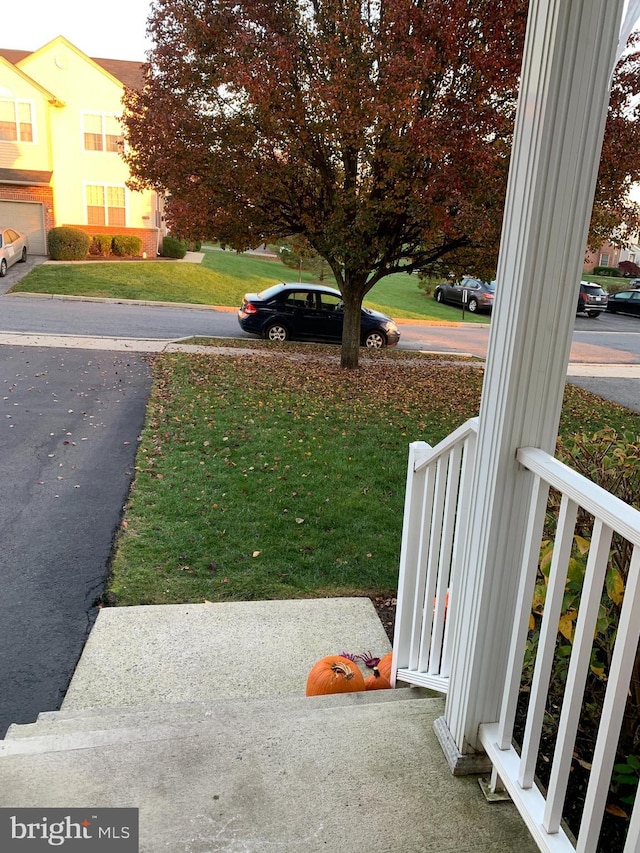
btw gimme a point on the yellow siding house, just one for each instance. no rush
(61, 143)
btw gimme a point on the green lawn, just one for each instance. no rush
(272, 477)
(222, 279)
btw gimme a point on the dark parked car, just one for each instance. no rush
(625, 302)
(474, 294)
(13, 248)
(310, 312)
(592, 299)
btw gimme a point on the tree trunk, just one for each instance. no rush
(351, 331)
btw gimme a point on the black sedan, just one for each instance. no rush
(474, 294)
(310, 312)
(625, 302)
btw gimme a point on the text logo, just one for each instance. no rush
(72, 830)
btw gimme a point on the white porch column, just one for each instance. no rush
(568, 61)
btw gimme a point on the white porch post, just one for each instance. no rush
(568, 61)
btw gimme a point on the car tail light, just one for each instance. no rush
(249, 308)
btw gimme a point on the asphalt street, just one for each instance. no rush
(70, 423)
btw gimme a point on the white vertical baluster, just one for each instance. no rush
(409, 554)
(429, 591)
(468, 460)
(444, 567)
(624, 655)
(576, 677)
(632, 844)
(531, 558)
(547, 641)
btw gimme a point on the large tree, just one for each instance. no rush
(378, 130)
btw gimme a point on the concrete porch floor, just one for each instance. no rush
(196, 715)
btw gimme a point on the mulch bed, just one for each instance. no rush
(386, 610)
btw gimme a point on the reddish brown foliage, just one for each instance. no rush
(380, 130)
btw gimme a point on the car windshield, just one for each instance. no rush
(593, 289)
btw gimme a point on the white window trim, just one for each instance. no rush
(105, 187)
(32, 105)
(102, 115)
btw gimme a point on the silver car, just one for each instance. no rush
(13, 247)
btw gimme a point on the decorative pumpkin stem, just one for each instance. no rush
(343, 669)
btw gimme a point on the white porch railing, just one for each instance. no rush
(435, 522)
(543, 812)
(435, 518)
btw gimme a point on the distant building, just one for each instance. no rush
(60, 146)
(610, 256)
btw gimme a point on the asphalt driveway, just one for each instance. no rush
(70, 421)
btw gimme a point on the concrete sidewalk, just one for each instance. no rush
(155, 345)
(196, 715)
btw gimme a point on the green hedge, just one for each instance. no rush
(172, 247)
(68, 244)
(101, 245)
(614, 272)
(126, 244)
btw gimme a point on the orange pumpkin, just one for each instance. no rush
(334, 674)
(375, 681)
(384, 667)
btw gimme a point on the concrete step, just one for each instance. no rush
(97, 719)
(283, 774)
(181, 653)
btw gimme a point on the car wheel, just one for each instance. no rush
(593, 313)
(473, 306)
(23, 256)
(3, 268)
(375, 340)
(439, 296)
(277, 332)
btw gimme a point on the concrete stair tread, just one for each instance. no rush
(96, 719)
(366, 776)
(85, 732)
(197, 652)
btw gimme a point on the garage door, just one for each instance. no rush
(26, 216)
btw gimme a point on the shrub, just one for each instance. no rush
(610, 271)
(68, 244)
(126, 244)
(428, 283)
(617, 287)
(628, 269)
(610, 460)
(172, 247)
(101, 245)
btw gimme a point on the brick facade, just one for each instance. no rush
(14, 192)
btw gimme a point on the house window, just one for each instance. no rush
(102, 133)
(604, 259)
(106, 205)
(16, 123)
(632, 257)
